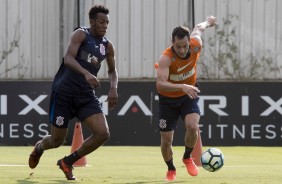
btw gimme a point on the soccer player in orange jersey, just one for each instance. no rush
(178, 93)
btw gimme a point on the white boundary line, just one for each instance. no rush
(228, 166)
(12, 165)
(246, 166)
(23, 165)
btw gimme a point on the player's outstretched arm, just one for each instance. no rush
(201, 27)
(113, 76)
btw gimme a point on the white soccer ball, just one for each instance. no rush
(212, 159)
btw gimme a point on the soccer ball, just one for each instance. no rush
(212, 159)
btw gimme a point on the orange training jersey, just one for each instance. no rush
(182, 71)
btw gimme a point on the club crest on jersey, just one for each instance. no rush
(60, 120)
(162, 123)
(102, 49)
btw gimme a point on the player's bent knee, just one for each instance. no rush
(193, 127)
(166, 142)
(106, 136)
(57, 143)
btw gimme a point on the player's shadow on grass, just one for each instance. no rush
(28, 181)
(159, 181)
(64, 181)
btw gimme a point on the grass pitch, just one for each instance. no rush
(141, 165)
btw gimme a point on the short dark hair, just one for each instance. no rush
(97, 9)
(180, 32)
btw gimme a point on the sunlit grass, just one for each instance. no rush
(140, 165)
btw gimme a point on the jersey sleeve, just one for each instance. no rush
(195, 45)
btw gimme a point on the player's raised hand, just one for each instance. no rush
(211, 20)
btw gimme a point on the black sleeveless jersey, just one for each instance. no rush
(91, 53)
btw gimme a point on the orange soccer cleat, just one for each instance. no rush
(170, 175)
(192, 169)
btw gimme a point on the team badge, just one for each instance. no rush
(60, 120)
(102, 49)
(162, 123)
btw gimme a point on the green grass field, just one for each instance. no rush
(141, 165)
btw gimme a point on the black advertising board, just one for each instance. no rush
(233, 114)
(23, 112)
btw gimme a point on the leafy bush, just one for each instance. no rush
(223, 59)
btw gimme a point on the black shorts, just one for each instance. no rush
(64, 108)
(170, 109)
